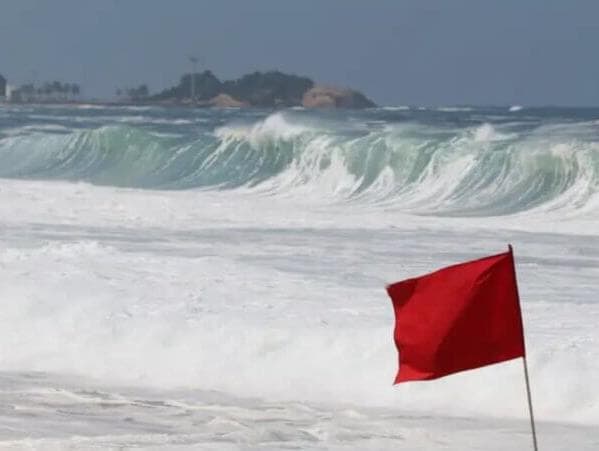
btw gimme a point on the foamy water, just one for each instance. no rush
(216, 279)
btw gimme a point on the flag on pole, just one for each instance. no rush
(457, 318)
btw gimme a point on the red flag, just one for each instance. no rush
(457, 318)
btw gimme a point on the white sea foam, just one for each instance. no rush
(159, 308)
(484, 133)
(88, 106)
(256, 316)
(274, 126)
(396, 108)
(454, 109)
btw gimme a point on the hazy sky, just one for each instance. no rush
(429, 52)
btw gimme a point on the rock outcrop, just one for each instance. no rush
(226, 101)
(332, 97)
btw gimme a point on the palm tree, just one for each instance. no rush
(143, 91)
(66, 90)
(28, 91)
(47, 88)
(56, 88)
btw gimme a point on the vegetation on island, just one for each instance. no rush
(271, 89)
(262, 89)
(55, 91)
(133, 94)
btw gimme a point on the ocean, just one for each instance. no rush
(215, 279)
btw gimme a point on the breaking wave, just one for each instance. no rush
(483, 169)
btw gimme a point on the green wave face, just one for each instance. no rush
(420, 166)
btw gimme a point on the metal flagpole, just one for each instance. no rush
(532, 418)
(529, 397)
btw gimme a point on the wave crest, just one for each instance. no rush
(475, 170)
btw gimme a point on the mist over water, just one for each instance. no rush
(230, 265)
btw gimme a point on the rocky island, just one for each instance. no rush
(270, 89)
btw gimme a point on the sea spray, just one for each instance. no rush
(198, 271)
(477, 170)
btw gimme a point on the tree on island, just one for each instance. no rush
(133, 94)
(55, 91)
(266, 89)
(139, 93)
(206, 86)
(261, 89)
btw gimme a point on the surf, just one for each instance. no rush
(478, 170)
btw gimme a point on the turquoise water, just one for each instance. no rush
(457, 161)
(215, 279)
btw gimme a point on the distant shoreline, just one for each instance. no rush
(271, 89)
(109, 103)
